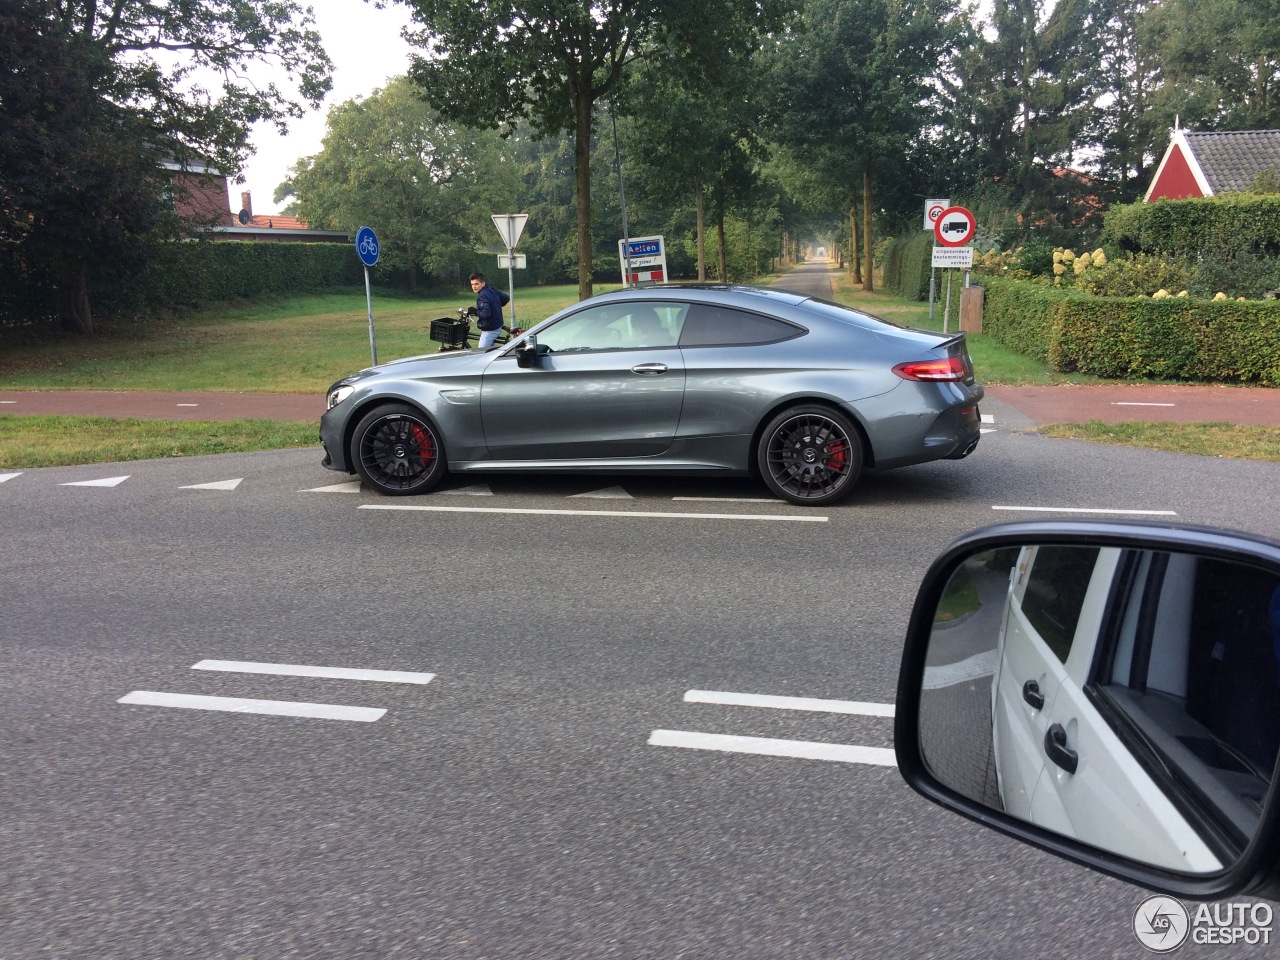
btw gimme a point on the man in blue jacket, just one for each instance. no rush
(489, 304)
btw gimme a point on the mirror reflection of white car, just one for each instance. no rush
(1057, 759)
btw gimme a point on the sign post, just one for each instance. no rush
(367, 249)
(644, 260)
(932, 211)
(952, 231)
(510, 226)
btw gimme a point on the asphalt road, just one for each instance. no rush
(513, 806)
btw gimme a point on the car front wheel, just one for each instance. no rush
(810, 455)
(397, 451)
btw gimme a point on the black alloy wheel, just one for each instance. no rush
(810, 455)
(397, 451)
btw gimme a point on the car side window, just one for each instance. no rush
(1193, 688)
(711, 325)
(1055, 592)
(616, 326)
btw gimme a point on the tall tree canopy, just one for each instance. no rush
(426, 185)
(493, 62)
(96, 94)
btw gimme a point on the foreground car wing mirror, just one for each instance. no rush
(529, 350)
(1107, 692)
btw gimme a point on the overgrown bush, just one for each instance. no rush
(1206, 228)
(908, 263)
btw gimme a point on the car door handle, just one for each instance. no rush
(1055, 745)
(649, 369)
(1031, 693)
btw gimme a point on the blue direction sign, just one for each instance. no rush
(367, 246)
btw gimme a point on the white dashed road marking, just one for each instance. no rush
(789, 703)
(594, 513)
(1134, 403)
(608, 493)
(104, 482)
(9, 476)
(475, 490)
(278, 708)
(216, 485)
(1137, 513)
(762, 746)
(303, 670)
(949, 674)
(351, 487)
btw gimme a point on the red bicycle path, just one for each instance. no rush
(1066, 403)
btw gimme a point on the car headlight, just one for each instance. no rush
(338, 394)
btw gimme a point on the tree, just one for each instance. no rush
(496, 62)
(96, 94)
(426, 185)
(855, 88)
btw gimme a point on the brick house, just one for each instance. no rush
(200, 195)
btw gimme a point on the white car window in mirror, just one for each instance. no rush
(1127, 699)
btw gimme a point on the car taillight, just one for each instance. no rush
(952, 368)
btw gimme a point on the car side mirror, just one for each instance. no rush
(1107, 692)
(527, 352)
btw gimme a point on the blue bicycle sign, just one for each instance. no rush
(367, 246)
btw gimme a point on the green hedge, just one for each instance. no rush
(202, 271)
(1169, 339)
(908, 261)
(1214, 227)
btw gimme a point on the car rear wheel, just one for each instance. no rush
(397, 451)
(810, 455)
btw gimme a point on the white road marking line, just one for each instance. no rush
(608, 493)
(725, 499)
(9, 476)
(216, 485)
(789, 703)
(475, 490)
(105, 482)
(1139, 513)
(980, 430)
(593, 513)
(949, 674)
(278, 708)
(351, 487)
(188, 404)
(762, 746)
(303, 670)
(8, 401)
(988, 418)
(1127, 403)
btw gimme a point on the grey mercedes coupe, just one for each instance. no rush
(694, 380)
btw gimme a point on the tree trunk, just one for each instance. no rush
(700, 205)
(723, 260)
(855, 252)
(582, 181)
(73, 299)
(868, 248)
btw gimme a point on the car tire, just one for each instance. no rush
(397, 451)
(810, 455)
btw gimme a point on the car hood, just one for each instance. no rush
(411, 366)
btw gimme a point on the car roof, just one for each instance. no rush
(765, 294)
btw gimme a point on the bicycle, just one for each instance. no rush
(457, 334)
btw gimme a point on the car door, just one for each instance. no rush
(1069, 617)
(610, 386)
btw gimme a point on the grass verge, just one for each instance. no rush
(1229, 440)
(30, 442)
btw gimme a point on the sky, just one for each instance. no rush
(366, 49)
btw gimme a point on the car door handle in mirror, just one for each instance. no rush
(1031, 693)
(649, 369)
(1055, 745)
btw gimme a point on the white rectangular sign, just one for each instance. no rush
(932, 210)
(517, 261)
(953, 257)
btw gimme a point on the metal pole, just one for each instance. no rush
(368, 296)
(622, 193)
(933, 286)
(511, 282)
(946, 313)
